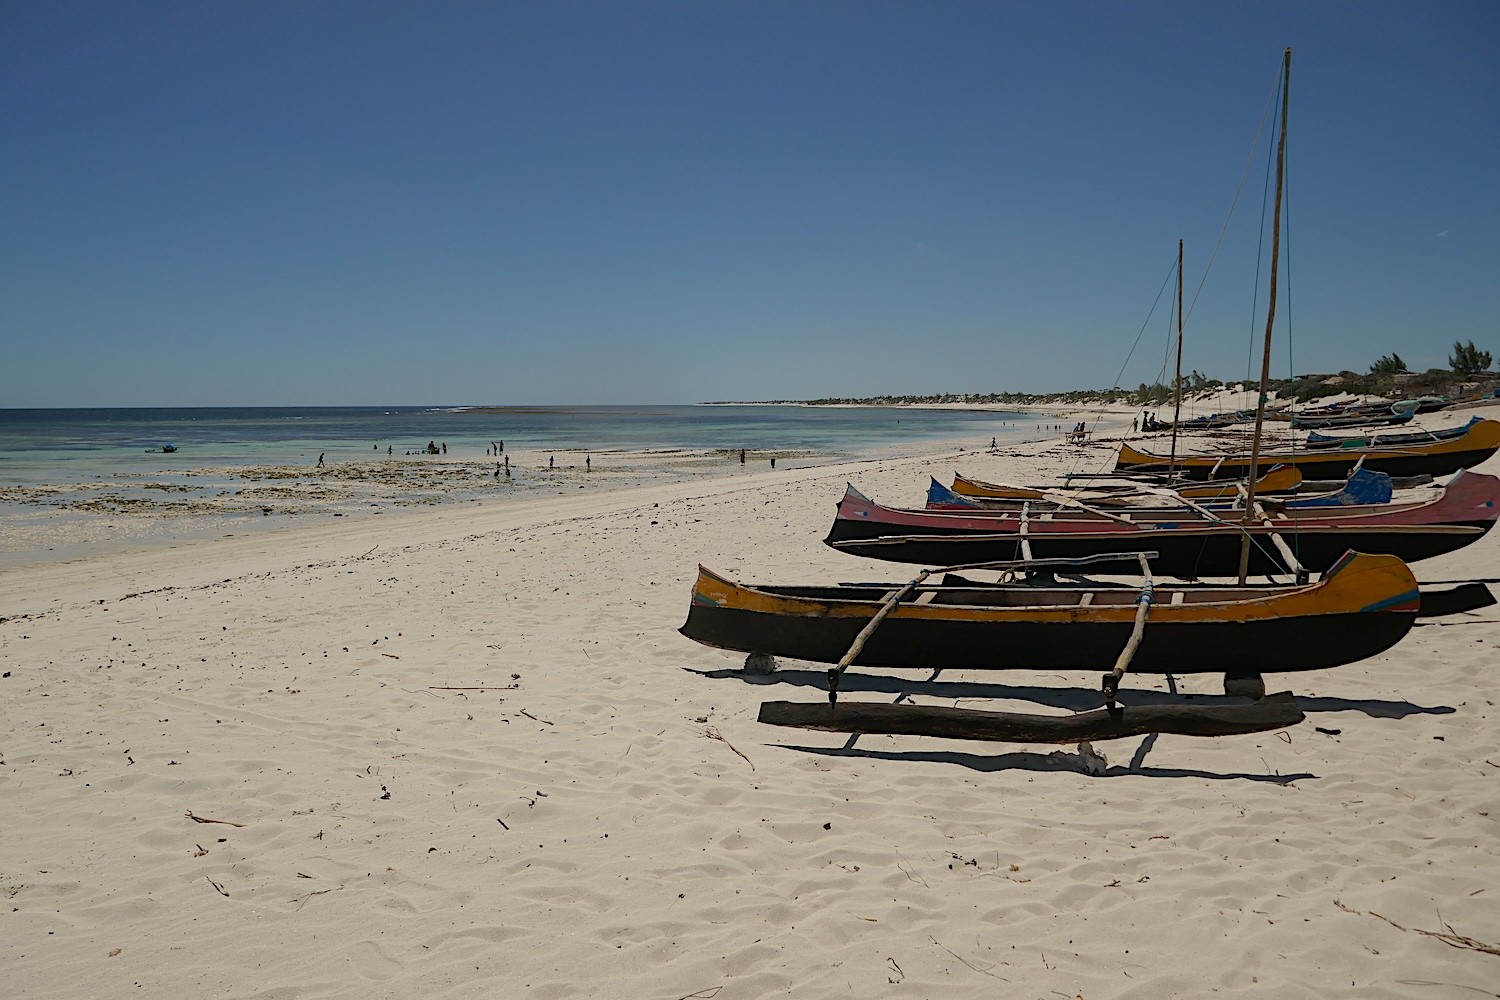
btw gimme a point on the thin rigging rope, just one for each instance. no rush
(1126, 364)
(1290, 359)
(1260, 254)
(1244, 175)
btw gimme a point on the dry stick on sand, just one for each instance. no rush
(303, 899)
(1450, 937)
(713, 733)
(204, 819)
(985, 972)
(507, 687)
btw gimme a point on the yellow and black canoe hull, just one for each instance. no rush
(1438, 458)
(1360, 609)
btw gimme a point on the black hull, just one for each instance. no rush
(1179, 553)
(1322, 467)
(1266, 646)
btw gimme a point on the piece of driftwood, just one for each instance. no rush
(1275, 711)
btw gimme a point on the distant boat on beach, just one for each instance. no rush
(1479, 441)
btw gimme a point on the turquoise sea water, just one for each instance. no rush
(64, 446)
(75, 483)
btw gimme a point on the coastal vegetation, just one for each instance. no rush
(1468, 372)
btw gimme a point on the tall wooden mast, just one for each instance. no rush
(1265, 365)
(1177, 382)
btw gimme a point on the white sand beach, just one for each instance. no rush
(462, 752)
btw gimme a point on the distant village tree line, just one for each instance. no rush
(1468, 369)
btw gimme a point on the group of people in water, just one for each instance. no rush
(494, 448)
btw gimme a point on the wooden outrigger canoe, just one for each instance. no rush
(1479, 441)
(1316, 440)
(1363, 487)
(1188, 547)
(1281, 479)
(1383, 418)
(1361, 607)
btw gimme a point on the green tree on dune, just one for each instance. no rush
(1467, 360)
(1388, 364)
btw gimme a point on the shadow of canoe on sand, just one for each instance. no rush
(1057, 760)
(1071, 699)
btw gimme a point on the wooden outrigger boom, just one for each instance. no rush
(889, 605)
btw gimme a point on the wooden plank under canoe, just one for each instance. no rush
(1275, 711)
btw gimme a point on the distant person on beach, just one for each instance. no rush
(388, 450)
(773, 461)
(1132, 425)
(320, 459)
(588, 462)
(742, 456)
(502, 444)
(992, 442)
(551, 461)
(445, 447)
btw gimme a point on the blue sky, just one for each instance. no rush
(569, 202)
